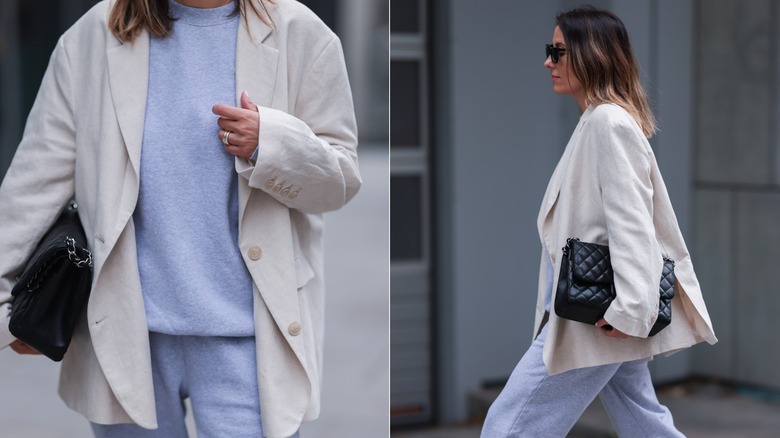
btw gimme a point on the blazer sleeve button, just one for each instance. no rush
(294, 329)
(293, 195)
(277, 187)
(285, 191)
(270, 183)
(255, 252)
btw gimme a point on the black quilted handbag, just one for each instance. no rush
(586, 286)
(53, 288)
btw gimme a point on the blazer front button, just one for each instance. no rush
(294, 329)
(255, 252)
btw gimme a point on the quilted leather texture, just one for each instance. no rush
(586, 285)
(591, 275)
(667, 293)
(590, 263)
(52, 290)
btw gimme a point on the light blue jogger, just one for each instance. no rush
(536, 405)
(218, 374)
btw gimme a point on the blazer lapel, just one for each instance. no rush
(256, 65)
(558, 176)
(554, 187)
(255, 62)
(128, 71)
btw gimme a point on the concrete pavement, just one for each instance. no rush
(356, 381)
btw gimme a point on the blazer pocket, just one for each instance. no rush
(303, 271)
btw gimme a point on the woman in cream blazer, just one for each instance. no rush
(606, 189)
(83, 139)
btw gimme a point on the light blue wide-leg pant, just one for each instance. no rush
(536, 405)
(218, 374)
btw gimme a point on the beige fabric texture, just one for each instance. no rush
(607, 189)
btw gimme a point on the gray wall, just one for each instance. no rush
(499, 131)
(737, 186)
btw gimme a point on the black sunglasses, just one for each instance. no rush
(554, 53)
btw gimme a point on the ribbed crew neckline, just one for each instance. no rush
(201, 16)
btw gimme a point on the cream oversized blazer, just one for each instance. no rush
(83, 137)
(607, 189)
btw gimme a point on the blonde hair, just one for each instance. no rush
(602, 60)
(129, 17)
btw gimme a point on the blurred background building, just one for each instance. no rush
(355, 388)
(476, 132)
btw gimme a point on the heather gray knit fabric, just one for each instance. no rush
(193, 277)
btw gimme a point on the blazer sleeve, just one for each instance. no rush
(624, 173)
(308, 160)
(40, 179)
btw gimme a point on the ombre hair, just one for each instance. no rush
(129, 17)
(602, 60)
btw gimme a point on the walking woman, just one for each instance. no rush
(606, 189)
(202, 140)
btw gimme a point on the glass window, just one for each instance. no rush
(405, 218)
(405, 104)
(405, 16)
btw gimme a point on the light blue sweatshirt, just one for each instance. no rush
(193, 278)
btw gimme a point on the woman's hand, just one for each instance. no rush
(610, 331)
(22, 348)
(242, 125)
